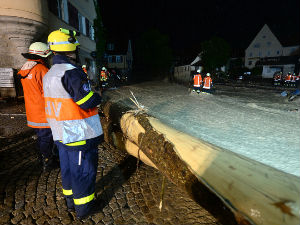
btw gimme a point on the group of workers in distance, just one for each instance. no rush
(202, 85)
(289, 80)
(61, 107)
(111, 79)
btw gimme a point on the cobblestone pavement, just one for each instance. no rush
(125, 193)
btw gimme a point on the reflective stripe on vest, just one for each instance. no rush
(69, 123)
(38, 125)
(84, 200)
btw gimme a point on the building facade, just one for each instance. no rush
(266, 45)
(119, 56)
(27, 21)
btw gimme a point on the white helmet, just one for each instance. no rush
(40, 49)
(198, 71)
(83, 66)
(208, 74)
(103, 68)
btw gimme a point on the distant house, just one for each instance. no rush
(118, 55)
(267, 51)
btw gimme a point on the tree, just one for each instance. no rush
(153, 51)
(99, 35)
(216, 53)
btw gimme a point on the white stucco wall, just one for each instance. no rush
(265, 44)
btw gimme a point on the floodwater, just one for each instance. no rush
(257, 123)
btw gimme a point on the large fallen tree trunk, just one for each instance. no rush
(214, 177)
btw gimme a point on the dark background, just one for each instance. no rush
(189, 22)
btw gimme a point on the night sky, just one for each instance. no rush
(189, 22)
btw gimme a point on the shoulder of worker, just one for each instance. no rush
(33, 66)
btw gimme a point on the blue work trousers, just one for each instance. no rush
(78, 172)
(45, 141)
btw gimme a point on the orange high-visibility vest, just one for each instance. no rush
(103, 76)
(197, 80)
(288, 77)
(32, 74)
(84, 70)
(69, 123)
(207, 83)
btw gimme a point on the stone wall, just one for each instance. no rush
(16, 34)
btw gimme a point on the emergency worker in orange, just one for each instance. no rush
(293, 80)
(73, 117)
(277, 79)
(288, 78)
(31, 75)
(197, 81)
(84, 69)
(103, 75)
(207, 84)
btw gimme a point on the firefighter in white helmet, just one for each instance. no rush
(73, 117)
(197, 81)
(207, 84)
(31, 75)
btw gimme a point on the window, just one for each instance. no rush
(65, 14)
(269, 43)
(250, 54)
(110, 59)
(113, 59)
(81, 20)
(54, 6)
(119, 59)
(73, 16)
(264, 36)
(87, 27)
(259, 53)
(92, 32)
(59, 8)
(110, 46)
(250, 63)
(269, 53)
(278, 52)
(257, 45)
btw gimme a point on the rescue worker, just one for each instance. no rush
(287, 80)
(197, 81)
(84, 69)
(103, 74)
(293, 80)
(103, 78)
(207, 84)
(73, 117)
(31, 75)
(277, 79)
